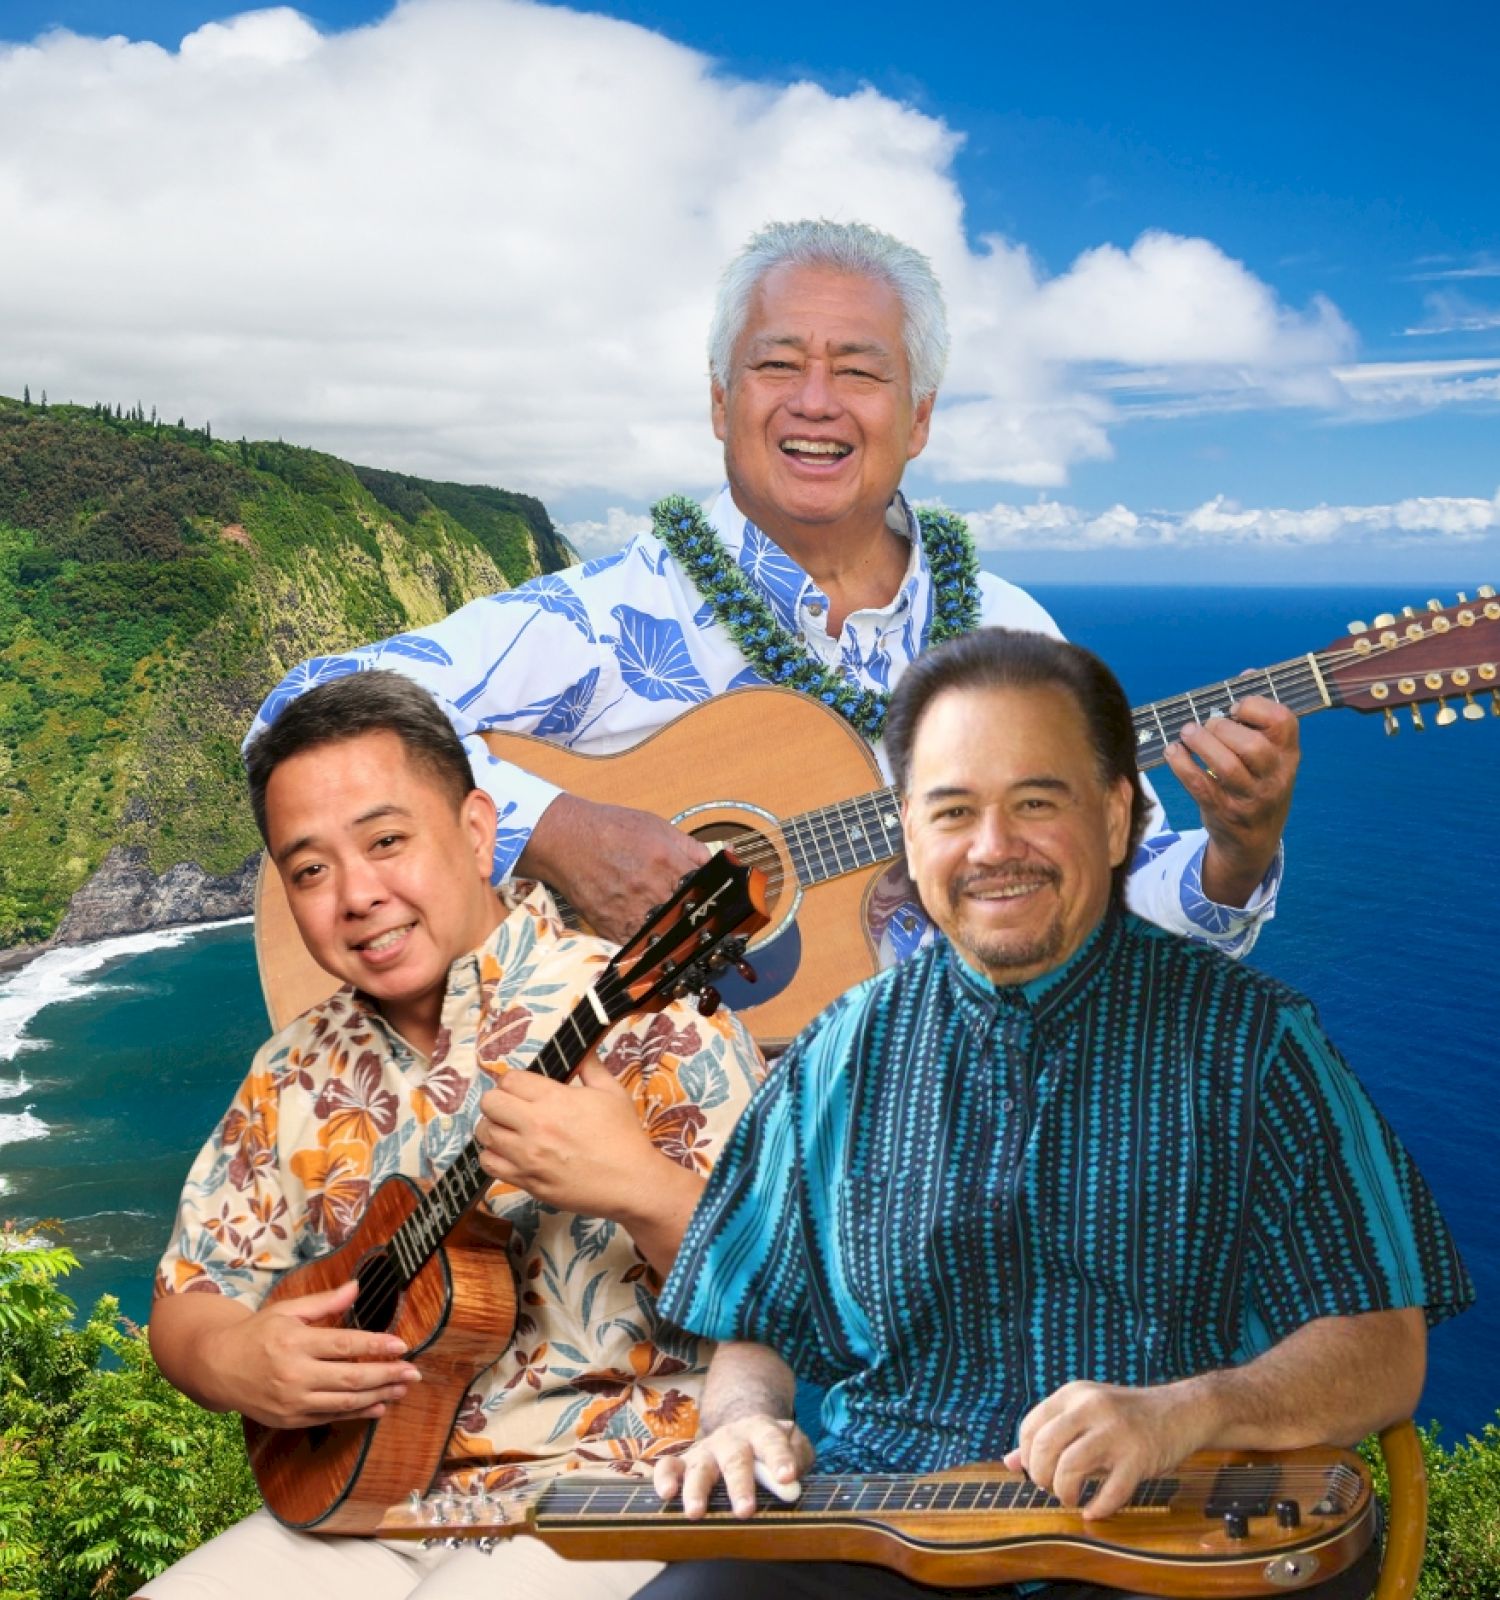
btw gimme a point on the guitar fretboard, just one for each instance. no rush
(835, 839)
(414, 1241)
(836, 1496)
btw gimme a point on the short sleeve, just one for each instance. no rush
(746, 1270)
(1343, 1222)
(233, 1234)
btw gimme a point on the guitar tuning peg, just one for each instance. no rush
(1486, 591)
(1416, 719)
(1446, 715)
(1434, 605)
(1408, 611)
(709, 1001)
(1392, 727)
(1359, 627)
(746, 971)
(1495, 702)
(1473, 712)
(1385, 619)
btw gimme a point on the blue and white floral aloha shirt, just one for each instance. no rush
(599, 656)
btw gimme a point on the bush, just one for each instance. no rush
(107, 1473)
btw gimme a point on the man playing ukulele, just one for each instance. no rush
(1064, 1189)
(364, 798)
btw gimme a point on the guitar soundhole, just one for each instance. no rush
(754, 849)
(379, 1293)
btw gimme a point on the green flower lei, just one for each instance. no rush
(784, 660)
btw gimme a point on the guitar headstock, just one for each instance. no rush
(1440, 653)
(700, 931)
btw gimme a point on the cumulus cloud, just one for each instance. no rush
(594, 538)
(1048, 525)
(478, 238)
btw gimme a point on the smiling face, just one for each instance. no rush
(817, 418)
(387, 879)
(1011, 833)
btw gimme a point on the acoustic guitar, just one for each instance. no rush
(1225, 1523)
(433, 1268)
(796, 791)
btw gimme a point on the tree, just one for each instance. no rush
(26, 395)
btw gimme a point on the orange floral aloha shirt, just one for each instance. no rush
(337, 1102)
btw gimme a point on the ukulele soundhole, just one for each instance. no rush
(379, 1293)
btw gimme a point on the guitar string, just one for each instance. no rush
(1244, 1479)
(384, 1273)
(818, 831)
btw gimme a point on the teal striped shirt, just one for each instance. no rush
(950, 1198)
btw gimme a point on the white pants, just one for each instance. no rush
(258, 1558)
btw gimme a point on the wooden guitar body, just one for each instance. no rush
(739, 764)
(789, 773)
(973, 1526)
(455, 1317)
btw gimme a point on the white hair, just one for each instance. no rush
(851, 247)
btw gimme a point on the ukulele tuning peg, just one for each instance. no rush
(1446, 715)
(1434, 605)
(1384, 620)
(709, 1001)
(1359, 627)
(745, 970)
(1495, 702)
(1392, 727)
(1473, 712)
(1486, 591)
(1416, 719)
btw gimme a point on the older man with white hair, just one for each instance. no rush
(810, 569)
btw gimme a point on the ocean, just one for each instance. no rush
(117, 1058)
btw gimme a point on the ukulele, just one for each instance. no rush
(431, 1264)
(791, 786)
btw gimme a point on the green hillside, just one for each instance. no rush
(154, 584)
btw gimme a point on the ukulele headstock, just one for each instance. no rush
(1437, 654)
(702, 930)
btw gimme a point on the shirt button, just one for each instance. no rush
(1007, 1103)
(814, 609)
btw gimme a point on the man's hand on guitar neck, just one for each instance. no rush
(748, 1436)
(1243, 787)
(273, 1364)
(612, 862)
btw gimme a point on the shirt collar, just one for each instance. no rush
(522, 899)
(785, 587)
(1049, 1000)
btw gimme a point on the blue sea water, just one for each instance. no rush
(130, 1050)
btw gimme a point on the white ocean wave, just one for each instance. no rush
(63, 974)
(18, 1125)
(13, 1088)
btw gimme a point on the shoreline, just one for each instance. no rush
(18, 957)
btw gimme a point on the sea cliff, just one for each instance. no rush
(155, 582)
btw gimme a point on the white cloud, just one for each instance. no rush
(1450, 312)
(479, 238)
(600, 538)
(1048, 525)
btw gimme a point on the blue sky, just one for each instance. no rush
(1337, 168)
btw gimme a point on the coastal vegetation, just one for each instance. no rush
(108, 1475)
(155, 582)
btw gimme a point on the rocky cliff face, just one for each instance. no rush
(125, 896)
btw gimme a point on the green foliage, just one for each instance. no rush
(107, 1473)
(1463, 1514)
(154, 585)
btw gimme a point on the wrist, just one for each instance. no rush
(1231, 873)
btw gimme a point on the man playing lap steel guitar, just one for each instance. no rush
(363, 795)
(1064, 1189)
(827, 347)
